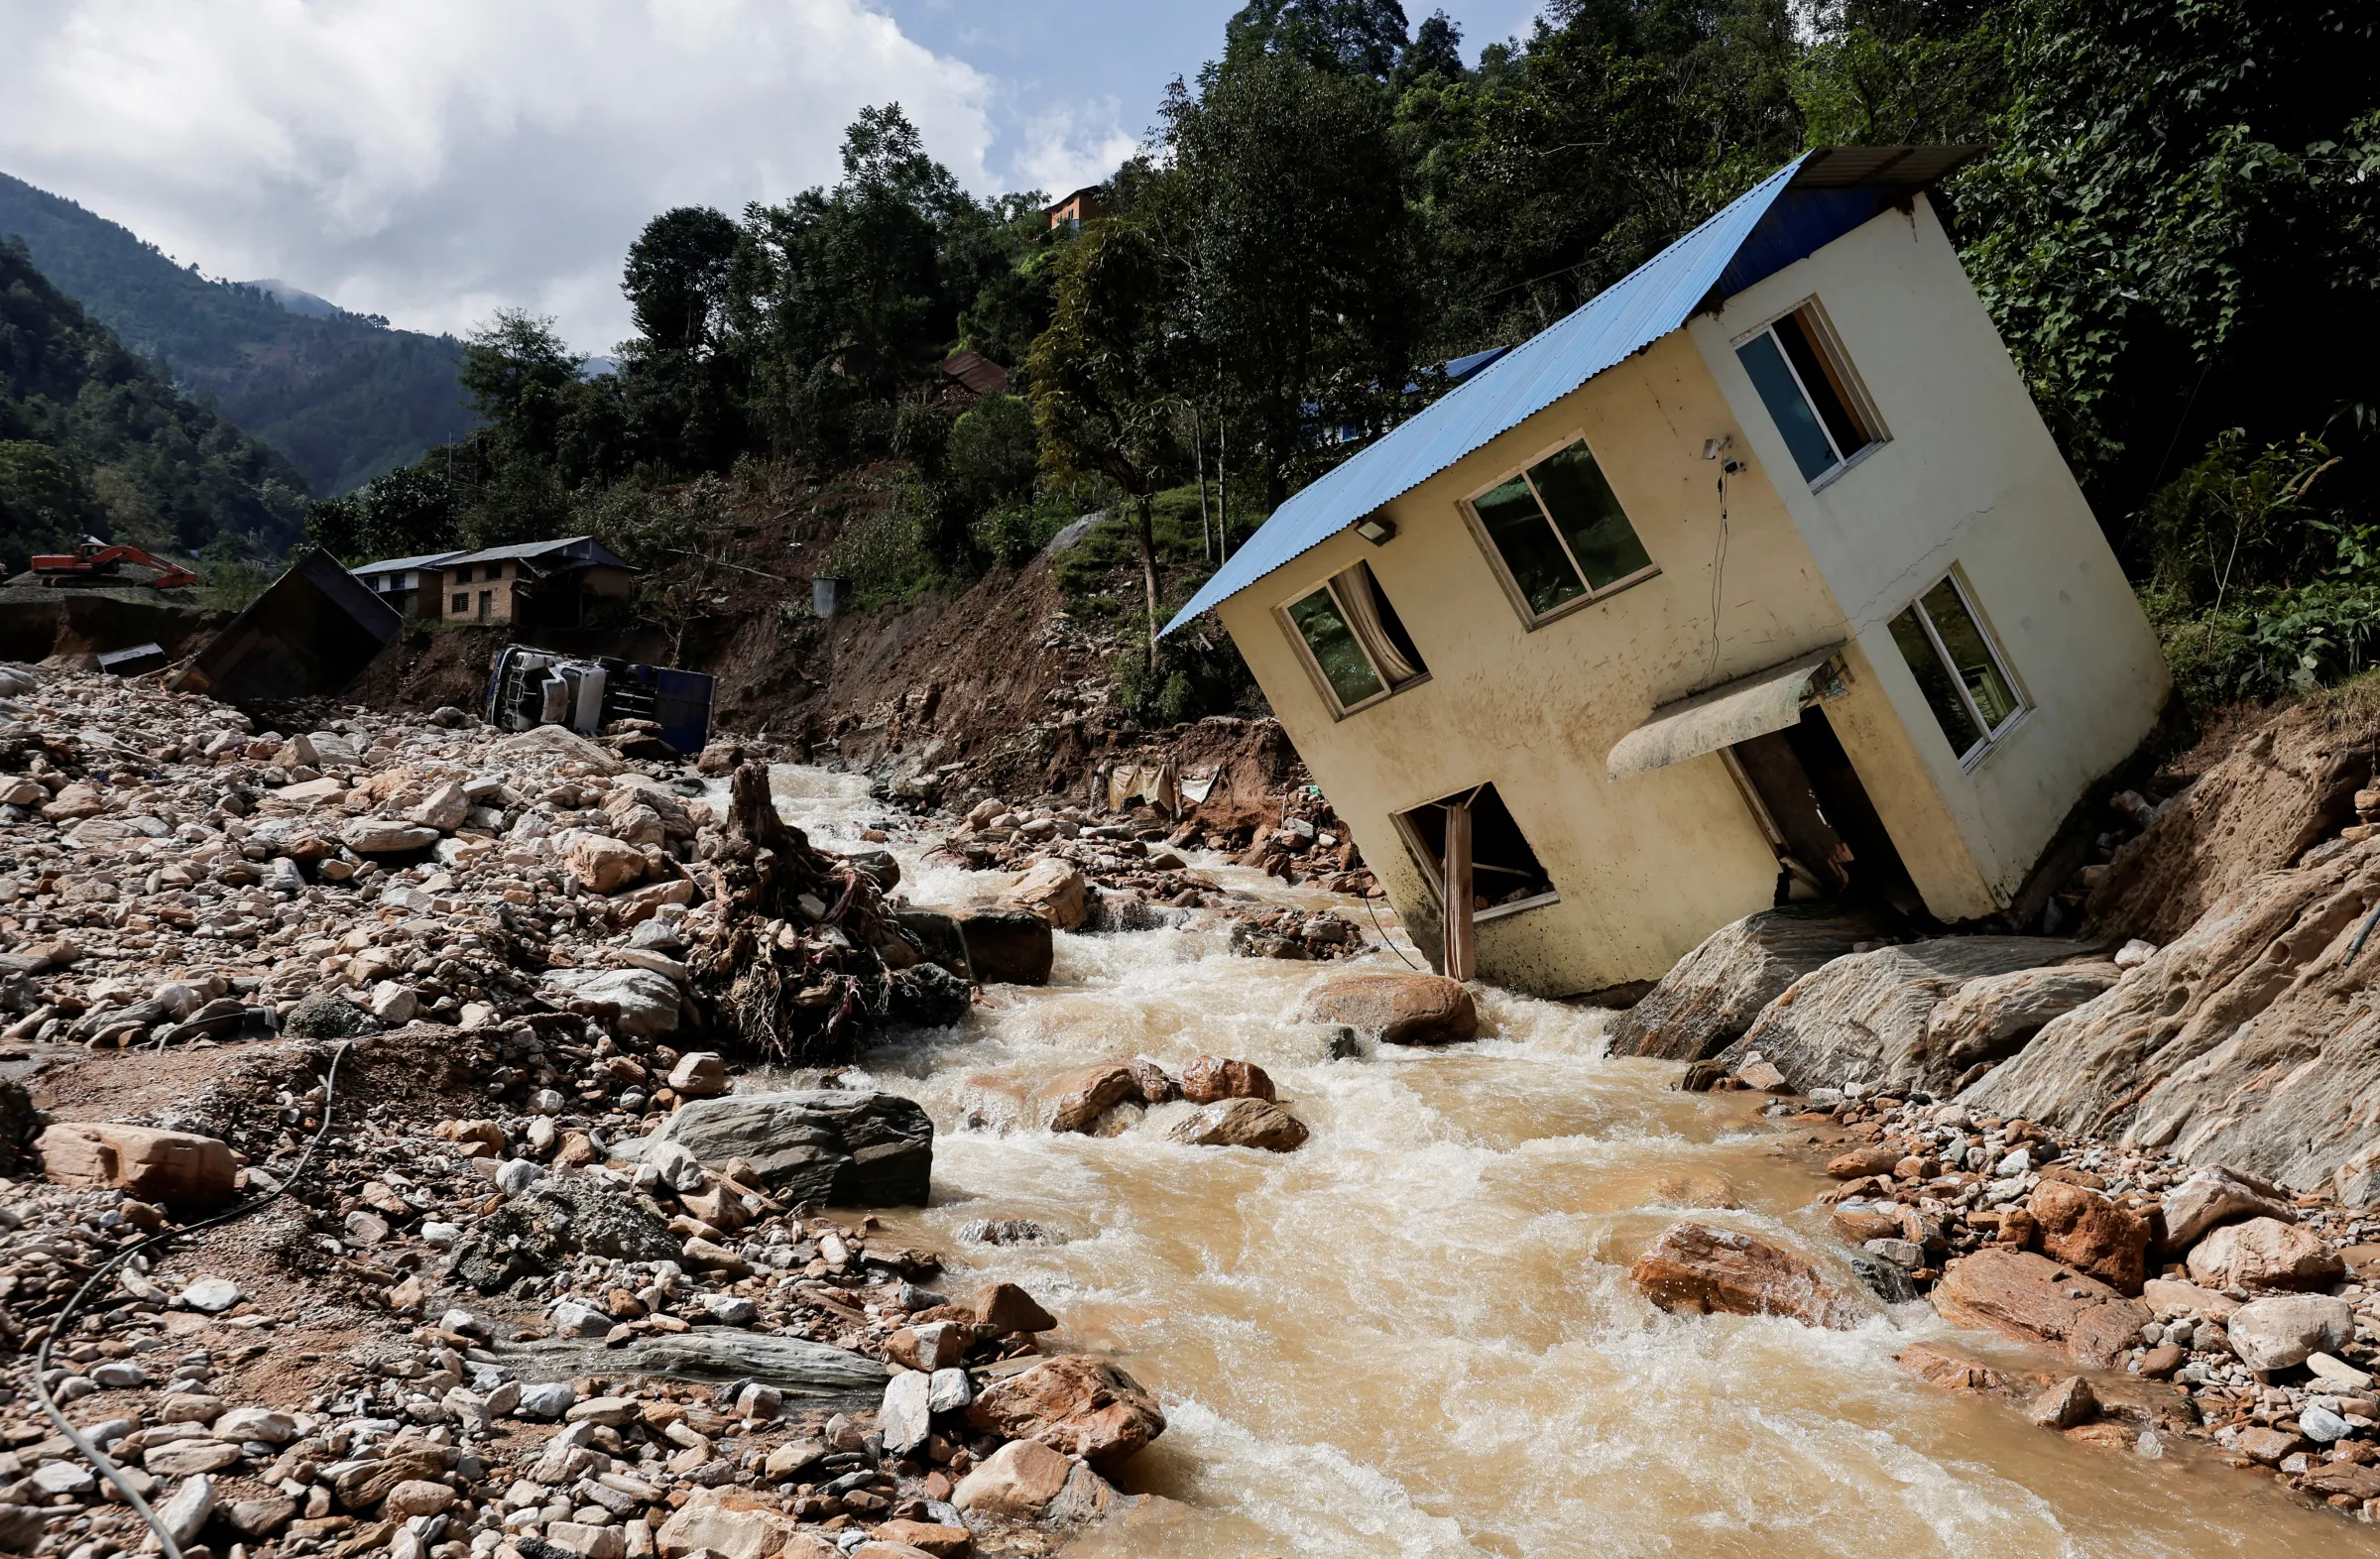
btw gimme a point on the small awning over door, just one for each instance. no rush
(1749, 707)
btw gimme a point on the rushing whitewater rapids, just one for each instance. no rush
(1415, 1335)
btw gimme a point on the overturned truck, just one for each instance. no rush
(528, 687)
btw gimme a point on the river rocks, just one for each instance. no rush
(1019, 1479)
(2067, 1403)
(1863, 1017)
(1697, 1268)
(1054, 890)
(2092, 1235)
(1240, 1122)
(905, 1417)
(836, 1146)
(601, 864)
(1400, 1008)
(2286, 1329)
(743, 1530)
(324, 1015)
(1074, 1100)
(2035, 1299)
(559, 1216)
(179, 1169)
(2228, 1040)
(1085, 1407)
(2263, 1252)
(2219, 1195)
(1713, 995)
(1008, 946)
(1211, 1077)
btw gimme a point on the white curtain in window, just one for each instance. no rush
(1354, 588)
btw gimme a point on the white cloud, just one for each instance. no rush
(1068, 145)
(433, 160)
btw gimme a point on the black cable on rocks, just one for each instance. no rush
(1373, 910)
(66, 1316)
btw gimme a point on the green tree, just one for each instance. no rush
(1105, 380)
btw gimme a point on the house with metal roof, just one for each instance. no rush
(1757, 579)
(542, 584)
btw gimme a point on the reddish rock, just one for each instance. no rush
(2092, 1235)
(1004, 1308)
(1700, 1269)
(1085, 1407)
(926, 1537)
(2070, 1402)
(1020, 1480)
(1861, 1163)
(1241, 1122)
(1211, 1077)
(1071, 1101)
(1155, 1085)
(2035, 1299)
(1402, 1009)
(1949, 1370)
(180, 1169)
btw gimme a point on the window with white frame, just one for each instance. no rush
(1959, 668)
(1354, 643)
(1559, 535)
(1811, 394)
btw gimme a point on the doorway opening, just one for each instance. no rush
(1815, 814)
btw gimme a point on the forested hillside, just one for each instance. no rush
(342, 396)
(93, 440)
(2176, 223)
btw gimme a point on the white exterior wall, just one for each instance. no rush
(1969, 477)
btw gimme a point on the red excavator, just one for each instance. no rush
(98, 562)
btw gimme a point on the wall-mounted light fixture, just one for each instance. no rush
(1713, 448)
(1377, 528)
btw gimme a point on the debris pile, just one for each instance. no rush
(2205, 1302)
(545, 1283)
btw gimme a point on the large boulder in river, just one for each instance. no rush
(2234, 1044)
(1401, 1009)
(1084, 1408)
(1240, 1122)
(1054, 890)
(2035, 1299)
(1713, 995)
(1073, 1100)
(1008, 946)
(1863, 1017)
(840, 1146)
(1699, 1270)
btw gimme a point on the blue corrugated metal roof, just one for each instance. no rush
(1625, 317)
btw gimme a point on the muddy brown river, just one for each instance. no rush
(1415, 1336)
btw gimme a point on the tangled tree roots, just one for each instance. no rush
(800, 981)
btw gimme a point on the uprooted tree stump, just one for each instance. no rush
(800, 982)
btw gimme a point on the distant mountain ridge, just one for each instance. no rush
(341, 395)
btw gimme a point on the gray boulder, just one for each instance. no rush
(561, 1215)
(1987, 1021)
(2277, 1333)
(639, 1003)
(838, 1147)
(1863, 1017)
(2219, 1195)
(326, 1015)
(929, 996)
(1715, 992)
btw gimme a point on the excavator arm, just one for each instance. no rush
(95, 559)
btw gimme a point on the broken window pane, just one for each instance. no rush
(1504, 871)
(1333, 645)
(1587, 514)
(1527, 543)
(1970, 656)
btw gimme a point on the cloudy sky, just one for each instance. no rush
(434, 159)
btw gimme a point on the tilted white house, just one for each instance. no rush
(1758, 573)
